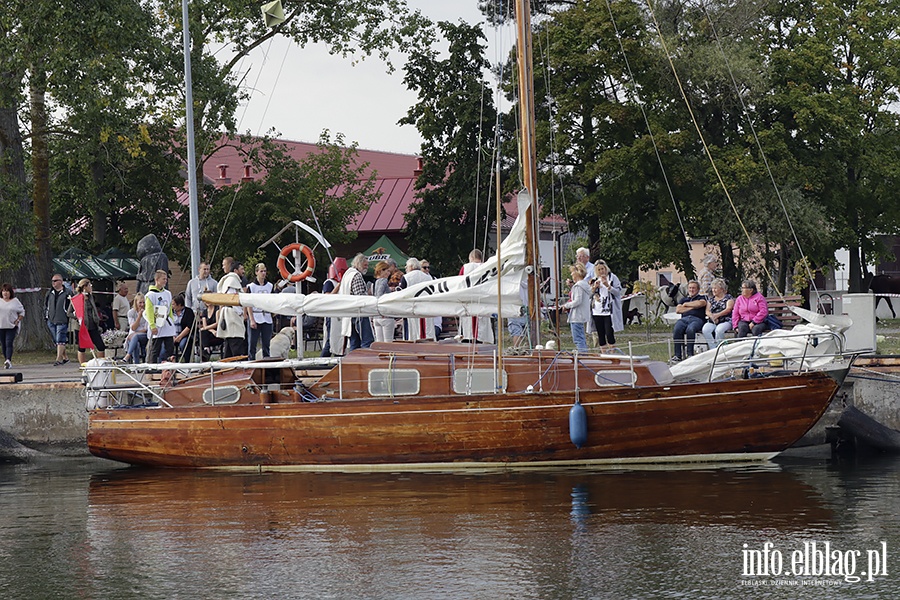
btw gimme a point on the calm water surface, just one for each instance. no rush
(83, 529)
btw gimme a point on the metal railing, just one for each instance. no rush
(782, 359)
(107, 378)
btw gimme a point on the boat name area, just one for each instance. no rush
(812, 564)
(468, 282)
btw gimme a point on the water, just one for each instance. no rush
(82, 529)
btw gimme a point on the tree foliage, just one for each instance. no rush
(836, 72)
(330, 181)
(456, 117)
(794, 103)
(103, 82)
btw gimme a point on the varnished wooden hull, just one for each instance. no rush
(708, 421)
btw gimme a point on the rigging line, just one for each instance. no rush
(556, 175)
(225, 223)
(262, 119)
(640, 103)
(256, 81)
(706, 149)
(274, 85)
(762, 153)
(544, 54)
(555, 172)
(479, 149)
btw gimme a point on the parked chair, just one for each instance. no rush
(312, 332)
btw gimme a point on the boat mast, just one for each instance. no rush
(193, 210)
(529, 159)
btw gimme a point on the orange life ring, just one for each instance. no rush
(288, 251)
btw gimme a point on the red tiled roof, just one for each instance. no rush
(395, 180)
(388, 212)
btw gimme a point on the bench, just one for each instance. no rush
(780, 307)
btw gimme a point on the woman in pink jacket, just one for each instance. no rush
(750, 311)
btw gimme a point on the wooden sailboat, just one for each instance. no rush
(424, 405)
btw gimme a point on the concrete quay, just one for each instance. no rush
(46, 411)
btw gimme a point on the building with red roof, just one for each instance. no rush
(395, 179)
(396, 175)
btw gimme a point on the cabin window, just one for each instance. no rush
(226, 394)
(477, 381)
(608, 378)
(393, 382)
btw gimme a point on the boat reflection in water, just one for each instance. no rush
(535, 534)
(751, 497)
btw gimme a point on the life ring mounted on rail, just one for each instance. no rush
(289, 251)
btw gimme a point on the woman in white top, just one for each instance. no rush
(602, 307)
(11, 314)
(136, 342)
(260, 320)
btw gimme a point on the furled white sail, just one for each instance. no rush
(474, 294)
(814, 345)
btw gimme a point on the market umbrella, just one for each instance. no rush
(383, 249)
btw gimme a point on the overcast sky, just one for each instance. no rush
(300, 92)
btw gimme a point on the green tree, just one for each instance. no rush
(104, 82)
(456, 117)
(331, 181)
(593, 145)
(835, 85)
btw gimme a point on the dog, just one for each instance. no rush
(633, 315)
(280, 346)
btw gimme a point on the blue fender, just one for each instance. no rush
(578, 425)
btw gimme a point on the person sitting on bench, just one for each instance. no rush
(692, 309)
(750, 311)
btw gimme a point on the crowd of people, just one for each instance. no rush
(161, 326)
(717, 313)
(594, 308)
(345, 334)
(595, 303)
(158, 325)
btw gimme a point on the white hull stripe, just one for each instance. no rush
(649, 462)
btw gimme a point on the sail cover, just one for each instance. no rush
(474, 295)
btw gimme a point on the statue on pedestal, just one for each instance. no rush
(149, 250)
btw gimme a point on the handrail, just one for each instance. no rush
(133, 372)
(719, 362)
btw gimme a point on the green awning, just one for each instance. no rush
(76, 264)
(123, 261)
(383, 249)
